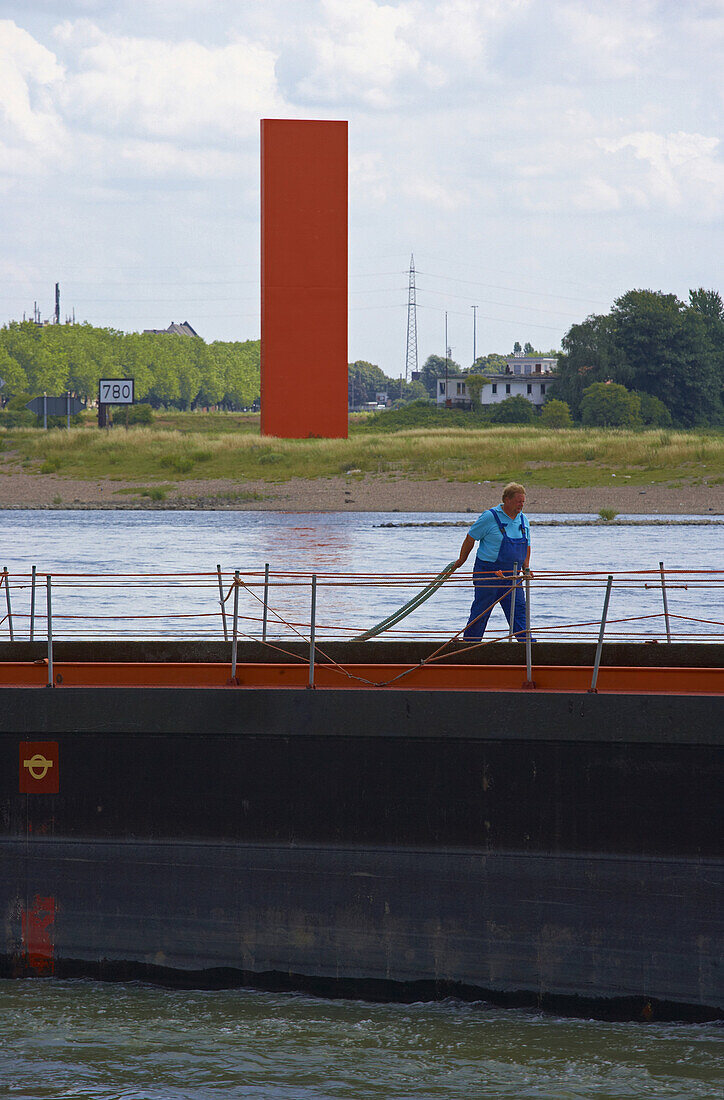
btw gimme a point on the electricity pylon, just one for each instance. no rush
(411, 359)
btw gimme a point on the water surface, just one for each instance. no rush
(354, 544)
(84, 1039)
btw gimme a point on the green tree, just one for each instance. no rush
(211, 359)
(654, 413)
(556, 414)
(364, 381)
(588, 356)
(434, 368)
(607, 404)
(709, 306)
(475, 383)
(489, 364)
(664, 350)
(14, 377)
(656, 344)
(135, 360)
(243, 383)
(513, 410)
(528, 349)
(708, 303)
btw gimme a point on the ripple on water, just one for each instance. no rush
(137, 1042)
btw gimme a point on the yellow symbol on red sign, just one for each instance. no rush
(38, 766)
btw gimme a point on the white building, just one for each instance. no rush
(529, 376)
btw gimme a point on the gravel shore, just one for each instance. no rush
(353, 493)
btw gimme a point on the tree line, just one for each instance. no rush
(180, 371)
(653, 356)
(653, 359)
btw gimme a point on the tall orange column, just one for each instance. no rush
(303, 278)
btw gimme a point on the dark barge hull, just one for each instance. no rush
(548, 848)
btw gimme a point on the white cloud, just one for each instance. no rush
(161, 159)
(681, 169)
(609, 40)
(28, 72)
(359, 51)
(369, 177)
(183, 90)
(385, 56)
(436, 194)
(458, 35)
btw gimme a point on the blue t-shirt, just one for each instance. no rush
(487, 531)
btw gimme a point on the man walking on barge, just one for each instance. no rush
(503, 534)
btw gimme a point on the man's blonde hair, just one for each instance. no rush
(511, 489)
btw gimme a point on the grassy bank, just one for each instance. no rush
(175, 452)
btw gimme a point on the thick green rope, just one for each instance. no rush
(410, 606)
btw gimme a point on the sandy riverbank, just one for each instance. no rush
(355, 493)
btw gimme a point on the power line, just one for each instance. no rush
(484, 317)
(505, 305)
(512, 289)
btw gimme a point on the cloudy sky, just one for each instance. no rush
(539, 157)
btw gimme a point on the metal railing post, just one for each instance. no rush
(264, 620)
(666, 603)
(528, 646)
(6, 578)
(236, 624)
(599, 647)
(49, 601)
(512, 600)
(312, 629)
(222, 602)
(32, 601)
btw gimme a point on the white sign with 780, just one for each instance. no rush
(115, 391)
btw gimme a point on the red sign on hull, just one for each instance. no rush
(37, 931)
(39, 768)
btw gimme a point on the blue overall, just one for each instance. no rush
(489, 588)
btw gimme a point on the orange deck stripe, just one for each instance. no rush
(437, 677)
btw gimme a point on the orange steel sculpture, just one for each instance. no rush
(303, 278)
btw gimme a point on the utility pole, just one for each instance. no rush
(446, 356)
(411, 357)
(57, 303)
(475, 318)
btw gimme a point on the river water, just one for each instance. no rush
(354, 544)
(131, 1041)
(107, 1042)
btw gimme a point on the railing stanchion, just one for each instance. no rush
(512, 601)
(312, 628)
(32, 602)
(528, 646)
(49, 603)
(599, 647)
(266, 603)
(222, 602)
(6, 578)
(666, 602)
(236, 625)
